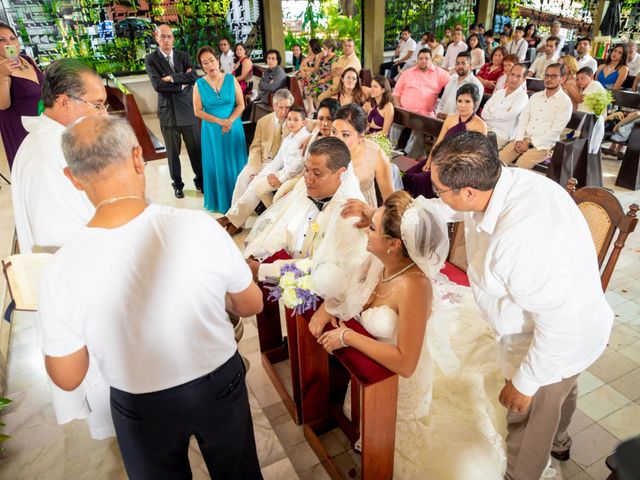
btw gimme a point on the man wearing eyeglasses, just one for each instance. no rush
(541, 122)
(48, 209)
(172, 76)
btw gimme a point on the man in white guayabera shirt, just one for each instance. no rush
(545, 305)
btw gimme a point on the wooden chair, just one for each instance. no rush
(605, 216)
(457, 247)
(428, 126)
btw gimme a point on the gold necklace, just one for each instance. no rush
(109, 201)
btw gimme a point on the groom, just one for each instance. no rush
(534, 275)
(307, 219)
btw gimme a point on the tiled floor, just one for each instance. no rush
(608, 407)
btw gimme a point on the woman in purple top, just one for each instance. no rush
(379, 108)
(417, 180)
(20, 90)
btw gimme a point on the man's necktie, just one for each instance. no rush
(320, 204)
(170, 60)
(277, 140)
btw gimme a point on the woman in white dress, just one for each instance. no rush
(449, 423)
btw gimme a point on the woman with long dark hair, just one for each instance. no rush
(614, 71)
(379, 108)
(243, 69)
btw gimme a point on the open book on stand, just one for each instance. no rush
(23, 274)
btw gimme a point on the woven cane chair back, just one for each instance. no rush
(457, 248)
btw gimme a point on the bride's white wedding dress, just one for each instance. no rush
(450, 425)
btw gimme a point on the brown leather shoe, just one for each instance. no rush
(223, 221)
(232, 229)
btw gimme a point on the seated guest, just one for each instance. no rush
(349, 89)
(503, 39)
(447, 105)
(540, 123)
(243, 69)
(475, 50)
(503, 108)
(507, 30)
(273, 79)
(298, 57)
(551, 53)
(633, 59)
(614, 71)
(314, 204)
(569, 86)
(454, 48)
(227, 57)
(531, 35)
(270, 130)
(287, 163)
(402, 54)
(583, 47)
(418, 88)
(379, 108)
(490, 72)
(349, 59)
(171, 360)
(310, 63)
(423, 43)
(489, 42)
(370, 163)
(555, 32)
(518, 45)
(447, 37)
(437, 50)
(321, 79)
(508, 63)
(587, 85)
(417, 180)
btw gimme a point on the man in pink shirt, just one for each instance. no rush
(418, 88)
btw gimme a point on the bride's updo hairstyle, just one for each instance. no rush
(394, 207)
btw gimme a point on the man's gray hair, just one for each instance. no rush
(282, 94)
(95, 143)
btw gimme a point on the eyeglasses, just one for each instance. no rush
(101, 107)
(440, 192)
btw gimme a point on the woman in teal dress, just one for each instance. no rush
(218, 101)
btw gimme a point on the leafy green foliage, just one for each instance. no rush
(598, 102)
(3, 403)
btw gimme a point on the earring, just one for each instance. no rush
(388, 251)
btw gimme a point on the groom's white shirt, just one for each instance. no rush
(534, 275)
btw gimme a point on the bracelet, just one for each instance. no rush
(344, 345)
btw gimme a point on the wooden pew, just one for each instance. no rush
(571, 157)
(629, 173)
(534, 85)
(123, 103)
(429, 126)
(365, 77)
(628, 82)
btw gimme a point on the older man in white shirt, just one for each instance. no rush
(541, 122)
(454, 48)
(447, 103)
(502, 110)
(49, 210)
(582, 54)
(633, 58)
(550, 56)
(227, 59)
(545, 305)
(556, 27)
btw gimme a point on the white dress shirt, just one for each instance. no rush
(227, 62)
(447, 103)
(48, 209)
(289, 161)
(634, 65)
(452, 53)
(407, 46)
(587, 61)
(544, 118)
(501, 113)
(541, 63)
(518, 48)
(534, 275)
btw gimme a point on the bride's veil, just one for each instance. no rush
(425, 236)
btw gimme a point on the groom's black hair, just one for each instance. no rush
(468, 159)
(335, 151)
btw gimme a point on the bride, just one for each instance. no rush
(448, 424)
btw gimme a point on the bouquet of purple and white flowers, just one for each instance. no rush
(294, 286)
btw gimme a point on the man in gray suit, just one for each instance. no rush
(172, 76)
